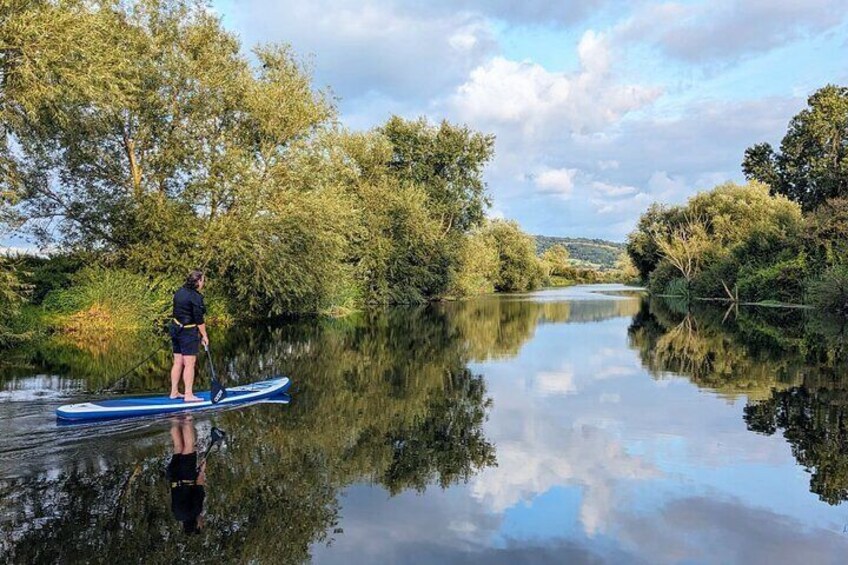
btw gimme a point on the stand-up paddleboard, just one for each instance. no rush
(128, 407)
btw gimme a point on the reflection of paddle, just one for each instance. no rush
(218, 393)
(215, 437)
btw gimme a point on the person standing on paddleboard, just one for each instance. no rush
(188, 333)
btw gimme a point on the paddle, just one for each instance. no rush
(215, 437)
(219, 393)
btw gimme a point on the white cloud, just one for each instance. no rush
(661, 183)
(495, 213)
(540, 103)
(556, 181)
(613, 190)
(629, 139)
(361, 48)
(609, 398)
(725, 30)
(531, 11)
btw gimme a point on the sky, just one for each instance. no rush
(599, 107)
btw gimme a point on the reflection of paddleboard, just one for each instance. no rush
(146, 405)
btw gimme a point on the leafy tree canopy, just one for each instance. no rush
(812, 164)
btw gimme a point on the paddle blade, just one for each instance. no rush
(219, 393)
(217, 435)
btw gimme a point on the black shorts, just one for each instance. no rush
(185, 341)
(186, 498)
(182, 467)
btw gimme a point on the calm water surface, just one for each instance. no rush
(574, 425)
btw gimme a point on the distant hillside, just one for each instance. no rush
(596, 252)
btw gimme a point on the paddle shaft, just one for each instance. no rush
(218, 392)
(215, 438)
(211, 364)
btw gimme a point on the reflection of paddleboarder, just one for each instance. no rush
(187, 477)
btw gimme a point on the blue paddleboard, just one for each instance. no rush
(148, 405)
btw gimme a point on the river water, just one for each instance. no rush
(586, 424)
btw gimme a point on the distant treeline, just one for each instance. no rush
(781, 238)
(590, 252)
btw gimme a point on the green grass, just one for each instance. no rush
(108, 300)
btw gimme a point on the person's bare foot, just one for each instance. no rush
(192, 398)
(175, 395)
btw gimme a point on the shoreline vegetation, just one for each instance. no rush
(781, 240)
(141, 142)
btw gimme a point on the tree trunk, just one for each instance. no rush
(135, 168)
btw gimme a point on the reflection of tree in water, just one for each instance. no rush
(814, 420)
(789, 363)
(445, 446)
(497, 327)
(731, 353)
(385, 398)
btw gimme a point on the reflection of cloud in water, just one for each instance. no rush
(706, 530)
(614, 372)
(38, 387)
(547, 456)
(556, 382)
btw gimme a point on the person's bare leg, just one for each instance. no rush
(176, 373)
(189, 437)
(188, 378)
(177, 436)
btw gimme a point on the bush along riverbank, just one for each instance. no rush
(88, 305)
(780, 239)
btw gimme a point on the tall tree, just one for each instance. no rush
(812, 164)
(555, 259)
(446, 159)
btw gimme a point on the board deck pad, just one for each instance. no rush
(147, 405)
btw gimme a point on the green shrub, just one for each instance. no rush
(661, 276)
(781, 282)
(11, 298)
(826, 234)
(109, 300)
(45, 274)
(711, 281)
(520, 268)
(478, 265)
(678, 288)
(829, 293)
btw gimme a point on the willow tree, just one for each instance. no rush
(446, 159)
(685, 247)
(141, 130)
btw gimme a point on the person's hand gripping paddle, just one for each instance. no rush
(218, 393)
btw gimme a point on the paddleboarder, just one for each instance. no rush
(188, 333)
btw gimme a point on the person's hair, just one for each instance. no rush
(193, 279)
